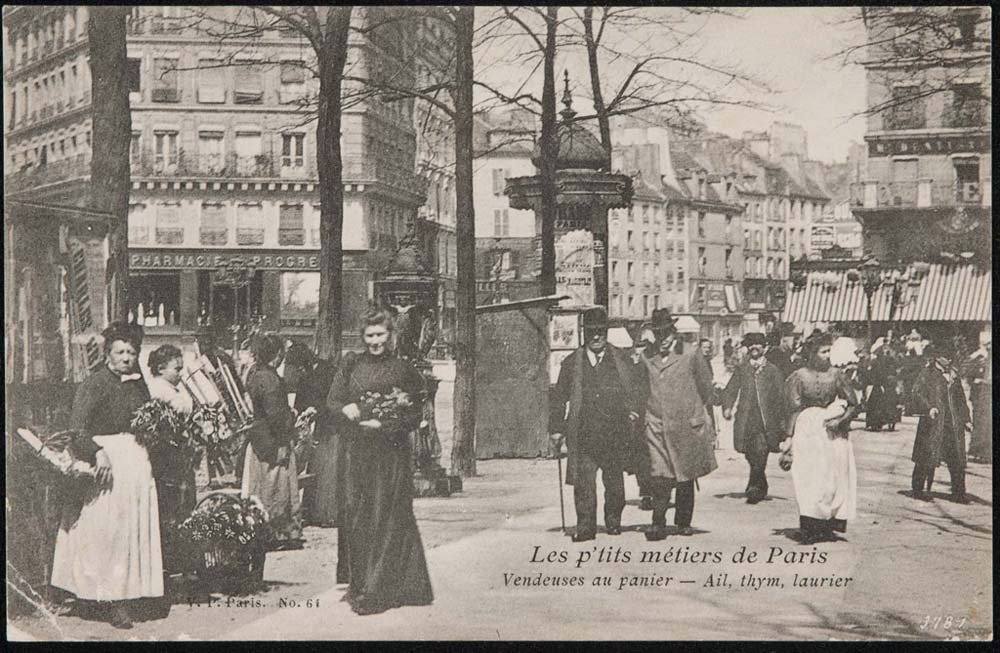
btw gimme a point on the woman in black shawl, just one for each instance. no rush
(381, 554)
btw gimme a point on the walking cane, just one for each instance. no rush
(562, 509)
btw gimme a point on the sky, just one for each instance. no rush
(787, 48)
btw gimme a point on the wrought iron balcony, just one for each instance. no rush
(77, 167)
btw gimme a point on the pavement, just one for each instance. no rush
(906, 570)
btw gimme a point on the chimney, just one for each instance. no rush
(793, 164)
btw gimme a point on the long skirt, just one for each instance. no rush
(881, 407)
(385, 555)
(823, 470)
(321, 501)
(110, 550)
(277, 487)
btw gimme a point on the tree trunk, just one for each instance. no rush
(463, 453)
(110, 176)
(331, 57)
(600, 110)
(549, 151)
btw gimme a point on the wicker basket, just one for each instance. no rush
(230, 566)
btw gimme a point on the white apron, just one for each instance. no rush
(823, 471)
(111, 552)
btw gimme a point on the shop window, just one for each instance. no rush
(248, 84)
(169, 230)
(154, 298)
(249, 224)
(291, 230)
(214, 227)
(293, 81)
(165, 81)
(293, 150)
(299, 296)
(211, 82)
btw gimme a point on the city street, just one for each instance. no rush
(916, 570)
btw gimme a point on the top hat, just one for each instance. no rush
(754, 340)
(661, 321)
(595, 318)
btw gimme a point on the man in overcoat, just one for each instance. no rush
(782, 354)
(939, 400)
(679, 434)
(761, 414)
(594, 404)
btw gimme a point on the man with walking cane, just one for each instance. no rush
(593, 405)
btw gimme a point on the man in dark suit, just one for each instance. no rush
(594, 404)
(782, 349)
(758, 385)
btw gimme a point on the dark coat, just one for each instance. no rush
(931, 390)
(569, 390)
(274, 423)
(770, 390)
(783, 361)
(679, 390)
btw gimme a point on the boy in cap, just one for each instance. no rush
(594, 403)
(758, 385)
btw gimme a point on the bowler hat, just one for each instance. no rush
(595, 318)
(661, 321)
(754, 340)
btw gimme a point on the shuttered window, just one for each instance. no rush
(249, 224)
(214, 230)
(164, 81)
(248, 84)
(169, 230)
(211, 82)
(291, 229)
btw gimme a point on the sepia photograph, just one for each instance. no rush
(493, 323)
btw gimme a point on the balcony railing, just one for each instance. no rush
(919, 194)
(40, 175)
(189, 165)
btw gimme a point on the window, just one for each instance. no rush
(293, 81)
(967, 180)
(154, 298)
(701, 224)
(966, 23)
(249, 157)
(501, 223)
(645, 305)
(214, 228)
(138, 229)
(169, 230)
(645, 241)
(645, 213)
(211, 82)
(211, 152)
(628, 239)
(291, 229)
(165, 81)
(668, 249)
(906, 110)
(656, 273)
(646, 278)
(135, 148)
(13, 113)
(702, 261)
(249, 224)
(729, 261)
(133, 72)
(499, 180)
(248, 85)
(966, 106)
(614, 271)
(746, 239)
(166, 150)
(729, 226)
(293, 150)
(630, 272)
(656, 242)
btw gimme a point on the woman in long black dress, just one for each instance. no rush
(381, 554)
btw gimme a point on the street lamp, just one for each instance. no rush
(871, 280)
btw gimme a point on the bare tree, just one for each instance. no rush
(915, 53)
(110, 175)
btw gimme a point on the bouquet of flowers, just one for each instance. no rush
(214, 432)
(165, 433)
(304, 443)
(390, 409)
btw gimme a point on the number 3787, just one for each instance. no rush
(942, 621)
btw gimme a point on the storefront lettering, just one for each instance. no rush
(190, 260)
(942, 145)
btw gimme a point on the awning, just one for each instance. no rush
(946, 293)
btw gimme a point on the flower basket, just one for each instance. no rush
(225, 542)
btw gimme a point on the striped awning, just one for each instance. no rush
(946, 293)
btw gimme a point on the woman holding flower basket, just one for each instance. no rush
(108, 544)
(377, 399)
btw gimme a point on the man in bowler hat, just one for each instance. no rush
(594, 404)
(758, 385)
(679, 435)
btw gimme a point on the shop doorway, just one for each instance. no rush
(225, 304)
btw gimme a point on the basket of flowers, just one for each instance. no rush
(394, 410)
(220, 438)
(226, 539)
(168, 438)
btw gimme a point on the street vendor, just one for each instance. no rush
(113, 561)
